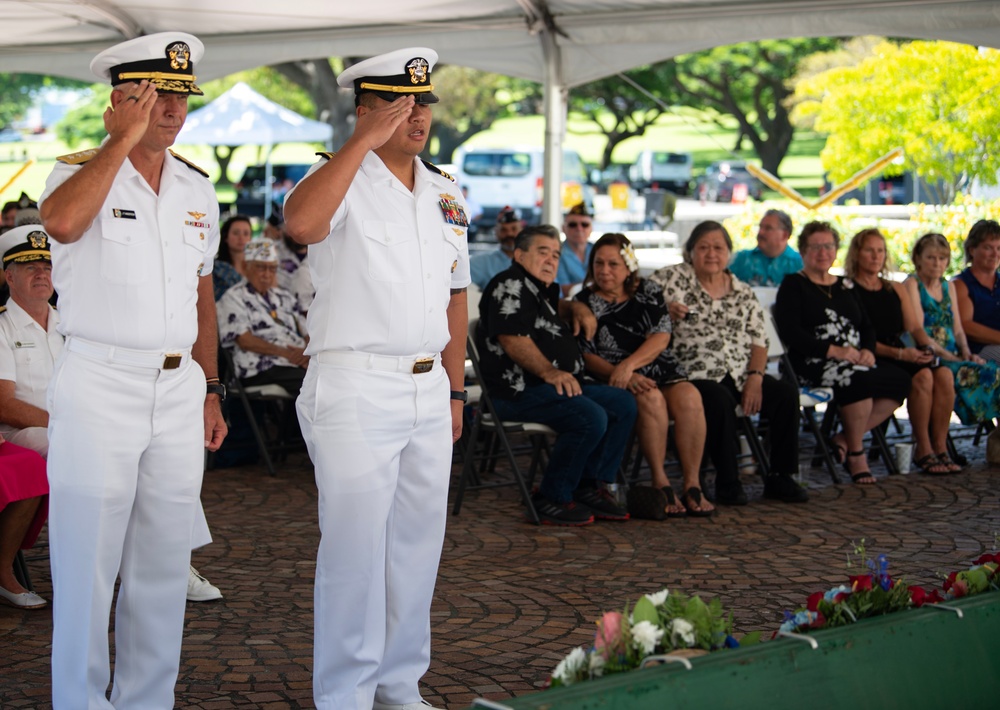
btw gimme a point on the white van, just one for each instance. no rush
(659, 169)
(498, 177)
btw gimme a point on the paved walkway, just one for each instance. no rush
(513, 598)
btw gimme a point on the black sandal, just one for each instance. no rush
(927, 464)
(671, 502)
(857, 477)
(693, 495)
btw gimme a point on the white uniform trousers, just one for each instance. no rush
(126, 447)
(381, 446)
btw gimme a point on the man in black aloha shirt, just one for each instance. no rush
(532, 367)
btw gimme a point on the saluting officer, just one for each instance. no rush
(382, 399)
(134, 232)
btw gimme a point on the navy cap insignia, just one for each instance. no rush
(38, 240)
(179, 54)
(417, 67)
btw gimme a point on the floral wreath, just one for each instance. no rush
(628, 254)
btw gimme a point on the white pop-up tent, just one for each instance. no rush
(241, 116)
(560, 43)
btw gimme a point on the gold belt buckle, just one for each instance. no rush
(422, 366)
(172, 361)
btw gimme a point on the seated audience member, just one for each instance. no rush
(892, 313)
(7, 215)
(24, 491)
(831, 343)
(293, 270)
(229, 270)
(485, 265)
(773, 257)
(630, 351)
(977, 382)
(977, 290)
(720, 339)
(29, 346)
(532, 366)
(575, 253)
(264, 324)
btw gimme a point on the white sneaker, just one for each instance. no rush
(200, 589)
(422, 705)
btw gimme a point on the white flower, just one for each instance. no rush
(596, 665)
(681, 629)
(645, 637)
(569, 668)
(658, 598)
(628, 255)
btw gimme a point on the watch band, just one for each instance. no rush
(460, 395)
(217, 388)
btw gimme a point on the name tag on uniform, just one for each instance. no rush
(453, 211)
(23, 344)
(123, 214)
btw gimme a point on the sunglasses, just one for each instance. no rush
(578, 224)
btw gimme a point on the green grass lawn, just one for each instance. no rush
(682, 132)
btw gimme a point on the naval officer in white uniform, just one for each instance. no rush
(382, 400)
(134, 399)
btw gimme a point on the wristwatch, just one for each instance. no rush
(219, 389)
(460, 395)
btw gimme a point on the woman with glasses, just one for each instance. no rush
(831, 343)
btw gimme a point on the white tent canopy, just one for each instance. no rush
(561, 43)
(241, 116)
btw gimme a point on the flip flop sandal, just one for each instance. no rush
(672, 502)
(693, 495)
(856, 478)
(952, 465)
(927, 464)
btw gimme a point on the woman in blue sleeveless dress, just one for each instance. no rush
(977, 383)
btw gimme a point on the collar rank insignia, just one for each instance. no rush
(453, 211)
(418, 70)
(178, 53)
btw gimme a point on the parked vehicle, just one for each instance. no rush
(724, 178)
(251, 190)
(660, 170)
(497, 177)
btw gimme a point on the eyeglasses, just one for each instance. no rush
(823, 247)
(270, 268)
(578, 224)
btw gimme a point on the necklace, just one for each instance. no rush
(822, 288)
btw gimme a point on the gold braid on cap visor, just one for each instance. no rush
(164, 81)
(27, 255)
(397, 89)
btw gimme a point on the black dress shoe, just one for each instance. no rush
(781, 486)
(731, 496)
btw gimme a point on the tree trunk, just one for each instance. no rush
(333, 104)
(223, 161)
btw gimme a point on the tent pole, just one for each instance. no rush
(555, 97)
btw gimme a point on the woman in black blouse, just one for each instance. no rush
(629, 351)
(831, 343)
(891, 311)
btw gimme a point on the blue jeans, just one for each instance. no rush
(593, 428)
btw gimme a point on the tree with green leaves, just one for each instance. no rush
(18, 91)
(750, 82)
(936, 100)
(621, 111)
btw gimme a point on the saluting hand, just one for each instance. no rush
(376, 125)
(128, 116)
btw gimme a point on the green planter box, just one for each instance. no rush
(923, 658)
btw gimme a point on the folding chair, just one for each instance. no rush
(21, 573)
(486, 421)
(262, 393)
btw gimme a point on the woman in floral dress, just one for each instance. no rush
(831, 343)
(977, 382)
(629, 350)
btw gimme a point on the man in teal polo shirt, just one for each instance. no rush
(772, 258)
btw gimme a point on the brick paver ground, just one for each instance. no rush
(513, 598)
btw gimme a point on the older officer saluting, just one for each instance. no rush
(389, 259)
(134, 231)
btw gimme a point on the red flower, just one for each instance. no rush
(861, 582)
(812, 604)
(983, 559)
(948, 583)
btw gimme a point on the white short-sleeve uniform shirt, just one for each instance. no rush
(384, 275)
(131, 280)
(28, 354)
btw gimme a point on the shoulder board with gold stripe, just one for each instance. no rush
(78, 158)
(325, 155)
(435, 169)
(189, 163)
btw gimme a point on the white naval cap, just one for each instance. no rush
(23, 244)
(260, 250)
(394, 74)
(166, 59)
